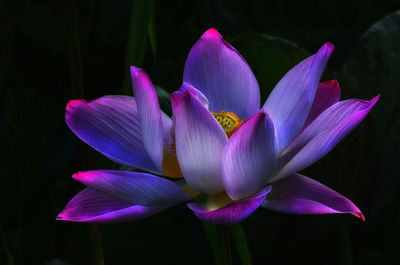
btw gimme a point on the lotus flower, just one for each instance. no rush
(219, 140)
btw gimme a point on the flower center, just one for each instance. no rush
(228, 121)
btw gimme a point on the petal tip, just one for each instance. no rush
(136, 72)
(359, 215)
(328, 47)
(134, 69)
(60, 217)
(186, 90)
(375, 99)
(73, 103)
(78, 176)
(333, 83)
(211, 33)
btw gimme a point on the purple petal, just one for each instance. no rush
(149, 115)
(250, 157)
(328, 93)
(91, 206)
(324, 133)
(299, 194)
(290, 102)
(218, 70)
(133, 187)
(232, 213)
(111, 125)
(199, 141)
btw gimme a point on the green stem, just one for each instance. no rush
(228, 245)
(212, 236)
(225, 246)
(95, 244)
(241, 244)
(219, 239)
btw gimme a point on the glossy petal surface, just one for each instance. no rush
(324, 133)
(134, 187)
(328, 93)
(92, 206)
(149, 115)
(299, 194)
(218, 70)
(232, 213)
(110, 125)
(250, 157)
(199, 141)
(290, 101)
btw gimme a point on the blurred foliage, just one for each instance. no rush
(53, 51)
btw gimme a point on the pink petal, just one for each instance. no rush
(250, 157)
(323, 134)
(290, 102)
(199, 140)
(328, 93)
(133, 187)
(232, 213)
(149, 115)
(110, 125)
(91, 206)
(218, 70)
(299, 194)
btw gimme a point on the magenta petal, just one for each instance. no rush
(134, 187)
(328, 93)
(232, 213)
(218, 70)
(200, 140)
(149, 115)
(91, 206)
(110, 125)
(323, 134)
(299, 194)
(290, 101)
(250, 157)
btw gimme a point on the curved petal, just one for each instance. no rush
(133, 187)
(250, 157)
(149, 115)
(218, 70)
(299, 194)
(290, 101)
(324, 133)
(232, 213)
(199, 141)
(110, 125)
(92, 206)
(328, 93)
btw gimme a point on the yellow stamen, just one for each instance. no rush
(228, 121)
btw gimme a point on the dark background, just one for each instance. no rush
(53, 51)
